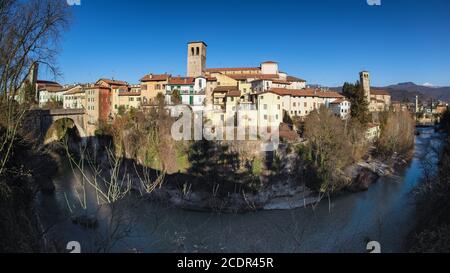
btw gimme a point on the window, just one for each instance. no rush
(192, 51)
(276, 116)
(279, 107)
(265, 117)
(306, 104)
(158, 87)
(198, 51)
(265, 106)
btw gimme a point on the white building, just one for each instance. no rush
(373, 132)
(296, 83)
(263, 85)
(341, 108)
(192, 91)
(270, 112)
(75, 98)
(48, 91)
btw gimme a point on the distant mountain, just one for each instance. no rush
(409, 90)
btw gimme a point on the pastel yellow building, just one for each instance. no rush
(129, 100)
(152, 85)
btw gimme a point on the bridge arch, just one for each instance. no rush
(55, 121)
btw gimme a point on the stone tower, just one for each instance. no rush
(196, 59)
(364, 80)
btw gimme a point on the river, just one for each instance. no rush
(384, 213)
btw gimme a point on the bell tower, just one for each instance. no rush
(364, 81)
(196, 63)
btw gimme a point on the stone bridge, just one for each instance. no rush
(39, 121)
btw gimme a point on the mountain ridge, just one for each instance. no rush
(407, 91)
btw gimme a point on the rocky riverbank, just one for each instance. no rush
(282, 190)
(284, 194)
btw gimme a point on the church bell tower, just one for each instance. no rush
(196, 63)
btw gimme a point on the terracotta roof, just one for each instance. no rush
(295, 92)
(63, 89)
(77, 90)
(122, 88)
(294, 79)
(95, 86)
(129, 94)
(307, 92)
(379, 92)
(269, 62)
(113, 82)
(281, 81)
(233, 93)
(181, 81)
(211, 79)
(339, 101)
(156, 77)
(232, 69)
(47, 82)
(225, 88)
(329, 94)
(253, 76)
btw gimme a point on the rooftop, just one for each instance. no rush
(156, 77)
(113, 82)
(181, 81)
(233, 69)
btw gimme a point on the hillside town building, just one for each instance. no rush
(257, 95)
(377, 99)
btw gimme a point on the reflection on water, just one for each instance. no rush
(384, 213)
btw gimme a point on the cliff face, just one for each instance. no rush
(27, 171)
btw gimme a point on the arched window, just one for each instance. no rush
(198, 51)
(192, 51)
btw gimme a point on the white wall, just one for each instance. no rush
(269, 68)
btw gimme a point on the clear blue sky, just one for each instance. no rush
(323, 41)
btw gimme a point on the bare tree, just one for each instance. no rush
(29, 34)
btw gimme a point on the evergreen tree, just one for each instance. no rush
(176, 97)
(360, 106)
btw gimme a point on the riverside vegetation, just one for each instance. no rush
(432, 232)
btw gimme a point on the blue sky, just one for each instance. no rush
(323, 41)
